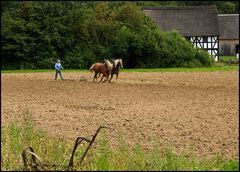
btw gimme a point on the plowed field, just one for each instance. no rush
(180, 109)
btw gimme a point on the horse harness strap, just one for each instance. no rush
(113, 64)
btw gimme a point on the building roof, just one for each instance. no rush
(188, 21)
(228, 26)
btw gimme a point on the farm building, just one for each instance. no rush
(198, 24)
(229, 33)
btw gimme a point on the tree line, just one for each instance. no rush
(36, 33)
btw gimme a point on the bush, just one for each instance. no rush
(204, 58)
(79, 59)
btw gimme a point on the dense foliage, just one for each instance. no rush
(34, 34)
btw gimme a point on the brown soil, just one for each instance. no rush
(180, 109)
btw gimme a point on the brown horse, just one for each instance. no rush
(101, 68)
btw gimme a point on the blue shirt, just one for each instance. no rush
(58, 66)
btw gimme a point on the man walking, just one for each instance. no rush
(58, 68)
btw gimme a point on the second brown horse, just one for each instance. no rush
(102, 68)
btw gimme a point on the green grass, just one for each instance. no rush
(19, 135)
(228, 58)
(209, 69)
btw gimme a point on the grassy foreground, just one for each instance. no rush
(17, 136)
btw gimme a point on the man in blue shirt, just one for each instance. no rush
(58, 68)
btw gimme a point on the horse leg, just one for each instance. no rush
(116, 76)
(101, 79)
(98, 76)
(111, 77)
(106, 78)
(95, 76)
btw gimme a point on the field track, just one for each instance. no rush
(180, 109)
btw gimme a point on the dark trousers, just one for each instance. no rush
(60, 73)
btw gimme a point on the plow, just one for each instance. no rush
(35, 163)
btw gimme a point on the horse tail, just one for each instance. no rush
(91, 68)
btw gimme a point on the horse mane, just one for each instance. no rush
(109, 64)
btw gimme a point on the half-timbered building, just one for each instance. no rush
(198, 24)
